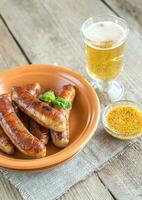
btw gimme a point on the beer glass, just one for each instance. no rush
(104, 42)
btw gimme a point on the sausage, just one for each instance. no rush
(33, 89)
(17, 132)
(24, 118)
(39, 131)
(5, 143)
(61, 139)
(43, 114)
(36, 129)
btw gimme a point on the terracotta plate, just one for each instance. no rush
(83, 120)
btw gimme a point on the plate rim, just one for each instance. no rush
(69, 151)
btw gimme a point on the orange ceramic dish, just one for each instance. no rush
(83, 119)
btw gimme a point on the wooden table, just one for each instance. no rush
(47, 31)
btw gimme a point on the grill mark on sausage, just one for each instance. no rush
(19, 135)
(5, 143)
(4, 106)
(49, 108)
(33, 107)
(39, 131)
(61, 139)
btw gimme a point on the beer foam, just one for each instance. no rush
(105, 34)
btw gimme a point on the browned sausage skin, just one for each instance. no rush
(39, 131)
(33, 89)
(16, 131)
(36, 129)
(61, 139)
(43, 114)
(5, 143)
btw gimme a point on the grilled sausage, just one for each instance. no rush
(24, 118)
(43, 114)
(5, 143)
(16, 131)
(33, 89)
(36, 129)
(39, 131)
(61, 139)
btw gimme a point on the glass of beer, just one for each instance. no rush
(104, 41)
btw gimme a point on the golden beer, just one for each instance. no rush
(104, 48)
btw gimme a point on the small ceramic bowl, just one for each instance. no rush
(84, 116)
(114, 133)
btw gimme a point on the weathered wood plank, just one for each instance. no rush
(49, 31)
(57, 24)
(123, 177)
(90, 189)
(130, 10)
(7, 191)
(10, 55)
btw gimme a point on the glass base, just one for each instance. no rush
(108, 91)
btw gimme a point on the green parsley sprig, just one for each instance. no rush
(55, 100)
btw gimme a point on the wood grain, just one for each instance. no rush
(7, 191)
(10, 54)
(48, 32)
(130, 10)
(90, 189)
(123, 177)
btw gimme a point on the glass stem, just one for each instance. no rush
(104, 87)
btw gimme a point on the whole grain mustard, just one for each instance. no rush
(125, 119)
